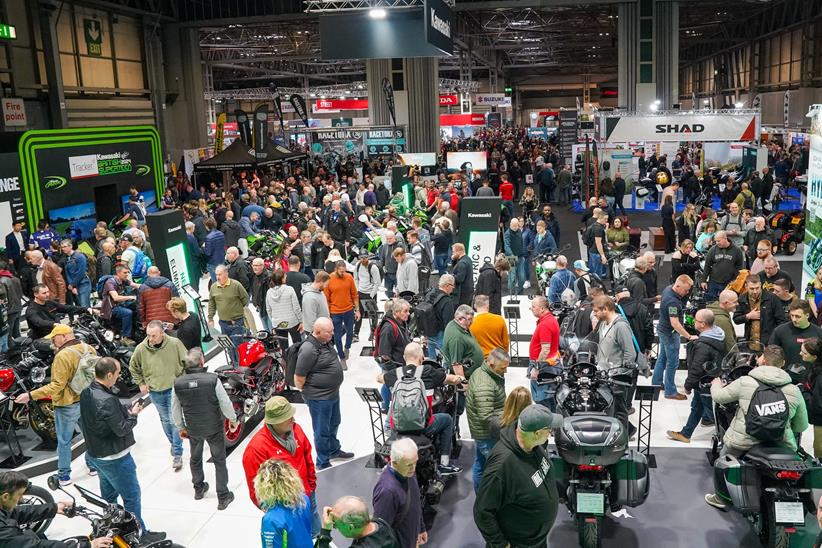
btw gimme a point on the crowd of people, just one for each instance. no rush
(318, 292)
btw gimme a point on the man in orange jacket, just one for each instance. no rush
(282, 439)
(344, 305)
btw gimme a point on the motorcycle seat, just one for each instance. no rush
(767, 454)
(231, 369)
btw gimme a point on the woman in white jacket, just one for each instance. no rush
(283, 308)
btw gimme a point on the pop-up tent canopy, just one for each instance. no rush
(237, 155)
(275, 154)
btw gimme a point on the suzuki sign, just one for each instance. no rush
(492, 99)
(730, 126)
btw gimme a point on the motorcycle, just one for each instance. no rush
(107, 344)
(545, 265)
(26, 368)
(261, 374)
(595, 470)
(622, 263)
(114, 521)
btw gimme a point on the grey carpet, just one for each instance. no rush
(675, 514)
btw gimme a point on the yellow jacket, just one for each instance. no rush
(62, 370)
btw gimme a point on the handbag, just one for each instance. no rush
(642, 363)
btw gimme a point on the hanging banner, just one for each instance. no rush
(298, 103)
(438, 25)
(342, 141)
(243, 126)
(260, 127)
(336, 105)
(813, 214)
(278, 107)
(219, 134)
(492, 100)
(12, 208)
(388, 91)
(384, 141)
(727, 126)
(94, 37)
(479, 230)
(449, 100)
(567, 132)
(462, 120)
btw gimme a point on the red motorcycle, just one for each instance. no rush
(259, 376)
(23, 369)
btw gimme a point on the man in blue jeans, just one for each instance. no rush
(227, 298)
(117, 304)
(319, 375)
(66, 402)
(440, 425)
(597, 243)
(704, 355)
(670, 328)
(155, 365)
(484, 403)
(440, 298)
(108, 427)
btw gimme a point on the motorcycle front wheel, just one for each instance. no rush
(37, 495)
(234, 435)
(589, 529)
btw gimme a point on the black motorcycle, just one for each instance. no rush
(114, 521)
(595, 470)
(26, 367)
(107, 344)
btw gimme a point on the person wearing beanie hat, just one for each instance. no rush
(517, 501)
(283, 439)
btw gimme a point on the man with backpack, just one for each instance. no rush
(771, 410)
(64, 391)
(434, 312)
(734, 225)
(411, 411)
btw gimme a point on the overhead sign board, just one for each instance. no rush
(462, 119)
(8, 32)
(449, 100)
(380, 141)
(336, 105)
(492, 100)
(438, 25)
(681, 127)
(93, 33)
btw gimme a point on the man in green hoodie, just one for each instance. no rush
(156, 363)
(723, 310)
(517, 500)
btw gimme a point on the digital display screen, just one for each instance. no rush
(76, 221)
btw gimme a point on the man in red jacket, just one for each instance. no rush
(282, 439)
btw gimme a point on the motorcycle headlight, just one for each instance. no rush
(37, 374)
(108, 335)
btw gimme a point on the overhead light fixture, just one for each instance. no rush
(359, 86)
(654, 107)
(706, 101)
(342, 97)
(739, 105)
(322, 96)
(377, 13)
(348, 91)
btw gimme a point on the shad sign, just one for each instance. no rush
(728, 126)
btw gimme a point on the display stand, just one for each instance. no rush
(512, 314)
(192, 294)
(646, 395)
(228, 346)
(15, 458)
(373, 314)
(382, 450)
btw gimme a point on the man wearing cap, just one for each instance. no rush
(66, 401)
(584, 281)
(516, 504)
(283, 439)
(198, 404)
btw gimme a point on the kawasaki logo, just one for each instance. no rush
(53, 182)
(680, 128)
(771, 408)
(480, 215)
(142, 169)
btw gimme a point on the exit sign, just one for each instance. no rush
(7, 32)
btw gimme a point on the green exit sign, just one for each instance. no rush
(8, 32)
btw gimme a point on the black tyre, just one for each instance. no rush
(790, 247)
(770, 534)
(589, 529)
(37, 495)
(41, 421)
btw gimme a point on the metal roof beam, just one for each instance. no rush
(519, 4)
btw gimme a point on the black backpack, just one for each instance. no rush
(747, 202)
(290, 356)
(767, 415)
(425, 314)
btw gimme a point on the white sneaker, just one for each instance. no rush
(526, 285)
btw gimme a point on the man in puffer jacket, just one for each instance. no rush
(736, 440)
(152, 297)
(704, 354)
(484, 403)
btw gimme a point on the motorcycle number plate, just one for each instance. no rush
(789, 512)
(591, 503)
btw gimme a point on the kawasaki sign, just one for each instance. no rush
(730, 126)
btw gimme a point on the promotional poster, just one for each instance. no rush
(813, 222)
(12, 208)
(479, 229)
(475, 164)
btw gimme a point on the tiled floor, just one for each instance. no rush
(167, 496)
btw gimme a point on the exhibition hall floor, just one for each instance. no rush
(674, 515)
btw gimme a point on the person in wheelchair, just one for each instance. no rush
(439, 426)
(737, 440)
(13, 517)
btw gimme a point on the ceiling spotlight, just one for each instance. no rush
(706, 101)
(657, 102)
(377, 13)
(739, 105)
(342, 97)
(359, 86)
(654, 107)
(322, 96)
(348, 91)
